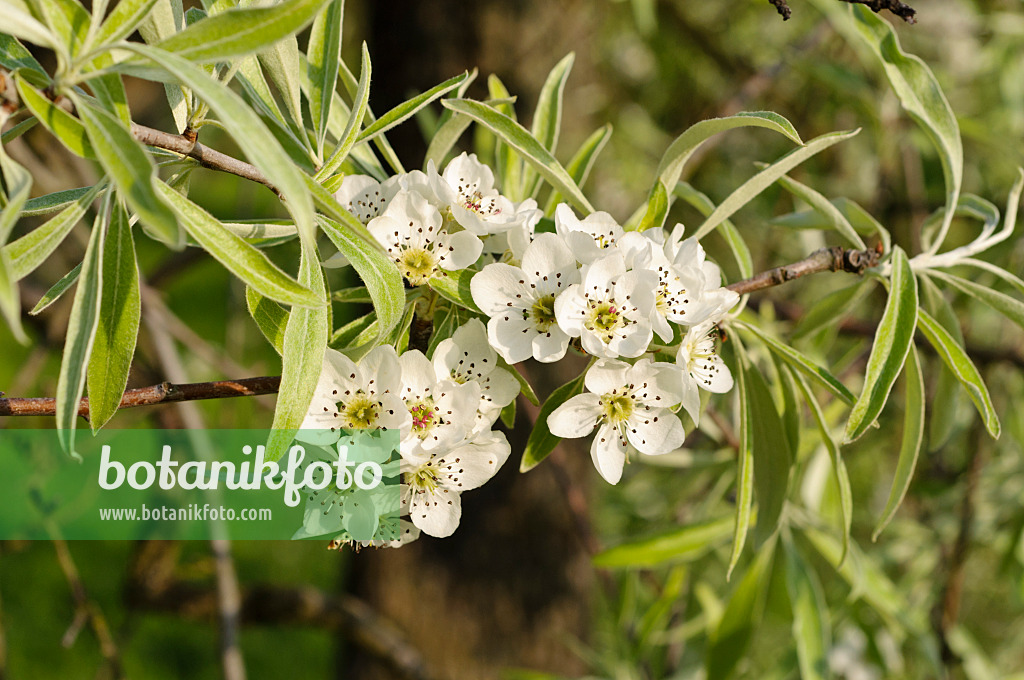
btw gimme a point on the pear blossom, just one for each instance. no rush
(521, 301)
(610, 309)
(351, 396)
(510, 245)
(466, 188)
(589, 238)
(466, 357)
(714, 299)
(700, 366)
(442, 412)
(432, 487)
(365, 198)
(411, 232)
(630, 406)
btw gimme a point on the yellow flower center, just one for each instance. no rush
(417, 265)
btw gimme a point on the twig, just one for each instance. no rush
(164, 393)
(832, 259)
(269, 605)
(207, 157)
(905, 12)
(782, 8)
(86, 610)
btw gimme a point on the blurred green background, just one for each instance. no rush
(515, 589)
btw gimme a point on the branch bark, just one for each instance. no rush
(834, 259)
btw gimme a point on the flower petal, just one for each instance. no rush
(472, 465)
(607, 375)
(436, 513)
(655, 432)
(498, 285)
(608, 451)
(576, 417)
(550, 346)
(512, 336)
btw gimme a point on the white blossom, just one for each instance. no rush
(521, 301)
(700, 366)
(714, 299)
(610, 309)
(365, 198)
(589, 238)
(363, 396)
(631, 408)
(466, 357)
(432, 487)
(467, 189)
(411, 232)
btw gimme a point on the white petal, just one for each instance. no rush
(417, 374)
(498, 285)
(635, 293)
(458, 250)
(632, 341)
(549, 264)
(466, 355)
(607, 375)
(472, 465)
(690, 397)
(576, 417)
(570, 309)
(718, 379)
(499, 388)
(436, 513)
(466, 175)
(599, 276)
(380, 370)
(338, 370)
(512, 336)
(550, 346)
(592, 344)
(655, 432)
(608, 451)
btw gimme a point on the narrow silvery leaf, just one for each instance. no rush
(454, 286)
(19, 23)
(1010, 307)
(14, 55)
(281, 62)
(740, 250)
(236, 32)
(547, 117)
(118, 328)
(679, 152)
(956, 359)
(81, 334)
(832, 307)
(744, 469)
(125, 18)
(921, 96)
(821, 205)
(324, 55)
(541, 442)
(51, 203)
(19, 183)
(241, 259)
(360, 106)
(682, 544)
(29, 251)
(269, 316)
(812, 631)
(302, 356)
(408, 108)
(838, 464)
(10, 303)
(913, 435)
(387, 152)
(57, 290)
(248, 131)
(61, 124)
(517, 137)
(582, 162)
(132, 170)
(764, 179)
(728, 642)
(888, 352)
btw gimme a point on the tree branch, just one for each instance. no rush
(834, 259)
(903, 11)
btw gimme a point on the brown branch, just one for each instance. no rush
(834, 259)
(163, 393)
(782, 8)
(186, 145)
(269, 605)
(903, 11)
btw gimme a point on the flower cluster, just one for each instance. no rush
(542, 286)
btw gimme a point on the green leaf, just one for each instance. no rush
(801, 362)
(270, 317)
(910, 448)
(444, 139)
(19, 183)
(10, 303)
(861, 221)
(811, 630)
(29, 251)
(445, 324)
(836, 219)
(125, 18)
(888, 352)
(131, 169)
(17, 130)
(324, 55)
(302, 359)
(744, 467)
(51, 203)
(683, 544)
(838, 464)
(118, 328)
(921, 96)
(248, 131)
(765, 178)
(547, 117)
(407, 109)
(14, 55)
(772, 451)
(355, 120)
(541, 442)
(948, 397)
(829, 309)
(1010, 307)
(57, 290)
(956, 359)
(82, 324)
(728, 642)
(378, 272)
(239, 31)
(582, 163)
(241, 259)
(18, 22)
(740, 250)
(68, 130)
(380, 141)
(516, 136)
(68, 21)
(356, 294)
(670, 169)
(454, 287)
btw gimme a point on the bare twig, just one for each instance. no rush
(834, 259)
(207, 157)
(903, 11)
(782, 8)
